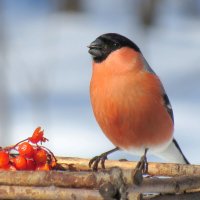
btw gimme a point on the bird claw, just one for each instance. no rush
(94, 162)
(143, 165)
(141, 168)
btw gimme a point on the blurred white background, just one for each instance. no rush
(45, 68)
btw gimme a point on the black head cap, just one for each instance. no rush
(107, 43)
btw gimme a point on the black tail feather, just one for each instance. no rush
(176, 144)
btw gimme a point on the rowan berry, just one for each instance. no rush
(4, 159)
(44, 166)
(30, 164)
(26, 150)
(20, 162)
(10, 167)
(37, 136)
(40, 156)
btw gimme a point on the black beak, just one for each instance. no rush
(97, 44)
(95, 48)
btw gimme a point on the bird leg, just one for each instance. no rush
(142, 164)
(140, 169)
(94, 162)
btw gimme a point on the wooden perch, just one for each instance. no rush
(77, 181)
(47, 193)
(167, 185)
(155, 169)
(190, 196)
(91, 180)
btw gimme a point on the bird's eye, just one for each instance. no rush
(116, 44)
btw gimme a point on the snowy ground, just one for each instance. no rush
(50, 53)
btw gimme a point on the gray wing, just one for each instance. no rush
(168, 106)
(165, 97)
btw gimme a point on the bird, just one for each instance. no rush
(130, 103)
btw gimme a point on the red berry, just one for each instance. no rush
(26, 150)
(53, 164)
(30, 164)
(4, 159)
(20, 162)
(10, 167)
(40, 156)
(45, 167)
(37, 136)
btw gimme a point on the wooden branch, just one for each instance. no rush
(91, 180)
(52, 193)
(47, 193)
(57, 178)
(154, 169)
(189, 196)
(167, 185)
(82, 179)
(79, 182)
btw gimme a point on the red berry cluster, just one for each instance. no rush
(29, 155)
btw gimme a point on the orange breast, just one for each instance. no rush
(129, 108)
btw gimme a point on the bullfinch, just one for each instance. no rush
(129, 102)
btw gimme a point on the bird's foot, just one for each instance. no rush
(94, 162)
(141, 168)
